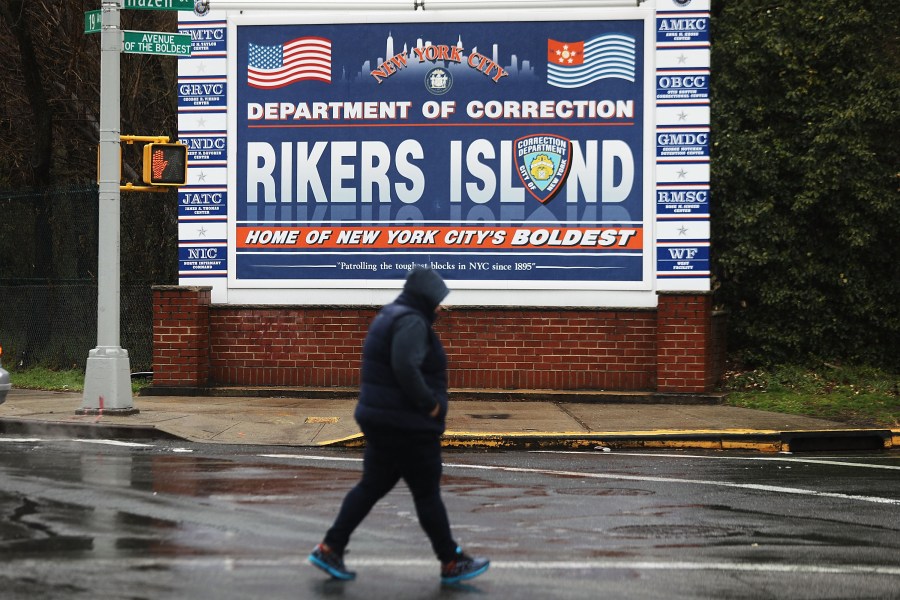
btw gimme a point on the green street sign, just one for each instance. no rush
(93, 21)
(159, 4)
(153, 42)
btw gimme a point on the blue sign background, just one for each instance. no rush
(521, 48)
(678, 28)
(688, 86)
(199, 259)
(206, 39)
(690, 201)
(682, 259)
(202, 202)
(207, 93)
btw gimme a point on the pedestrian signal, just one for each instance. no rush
(165, 164)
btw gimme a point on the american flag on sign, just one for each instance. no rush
(306, 58)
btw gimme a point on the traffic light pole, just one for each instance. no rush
(107, 379)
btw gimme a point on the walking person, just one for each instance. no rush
(402, 411)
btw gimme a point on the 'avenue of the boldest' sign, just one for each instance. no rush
(152, 42)
(159, 4)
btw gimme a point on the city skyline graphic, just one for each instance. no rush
(516, 66)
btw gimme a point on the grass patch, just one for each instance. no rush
(68, 380)
(858, 396)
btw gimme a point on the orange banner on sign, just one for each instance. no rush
(443, 238)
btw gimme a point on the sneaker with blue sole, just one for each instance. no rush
(462, 568)
(331, 562)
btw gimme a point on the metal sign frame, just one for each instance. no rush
(213, 120)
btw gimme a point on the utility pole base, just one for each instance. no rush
(107, 383)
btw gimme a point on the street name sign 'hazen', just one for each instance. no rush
(159, 4)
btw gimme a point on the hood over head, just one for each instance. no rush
(427, 285)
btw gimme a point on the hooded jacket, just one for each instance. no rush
(404, 366)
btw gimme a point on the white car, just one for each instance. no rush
(4, 379)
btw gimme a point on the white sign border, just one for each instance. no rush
(465, 292)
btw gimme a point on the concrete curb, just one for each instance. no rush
(759, 440)
(11, 425)
(310, 420)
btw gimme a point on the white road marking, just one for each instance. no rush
(311, 457)
(230, 563)
(578, 565)
(113, 443)
(817, 461)
(578, 474)
(254, 498)
(91, 441)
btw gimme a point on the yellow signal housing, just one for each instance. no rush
(165, 164)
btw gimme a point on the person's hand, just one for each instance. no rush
(434, 413)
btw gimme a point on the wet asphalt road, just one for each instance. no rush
(98, 519)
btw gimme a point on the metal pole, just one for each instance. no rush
(107, 379)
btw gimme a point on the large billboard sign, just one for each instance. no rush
(511, 152)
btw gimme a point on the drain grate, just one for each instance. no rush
(595, 491)
(322, 419)
(493, 416)
(839, 441)
(672, 531)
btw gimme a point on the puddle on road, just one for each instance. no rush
(32, 526)
(24, 530)
(199, 477)
(43, 529)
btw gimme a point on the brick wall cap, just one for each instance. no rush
(555, 308)
(448, 308)
(181, 288)
(685, 293)
(295, 306)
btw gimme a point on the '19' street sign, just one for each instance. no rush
(93, 21)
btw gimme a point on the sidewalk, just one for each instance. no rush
(322, 418)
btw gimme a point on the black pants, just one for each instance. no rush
(390, 456)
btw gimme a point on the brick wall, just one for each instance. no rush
(550, 348)
(181, 335)
(670, 349)
(685, 345)
(289, 346)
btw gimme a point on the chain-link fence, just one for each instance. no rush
(55, 325)
(48, 265)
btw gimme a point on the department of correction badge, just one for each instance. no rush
(542, 161)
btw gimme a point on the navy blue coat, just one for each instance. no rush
(404, 365)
